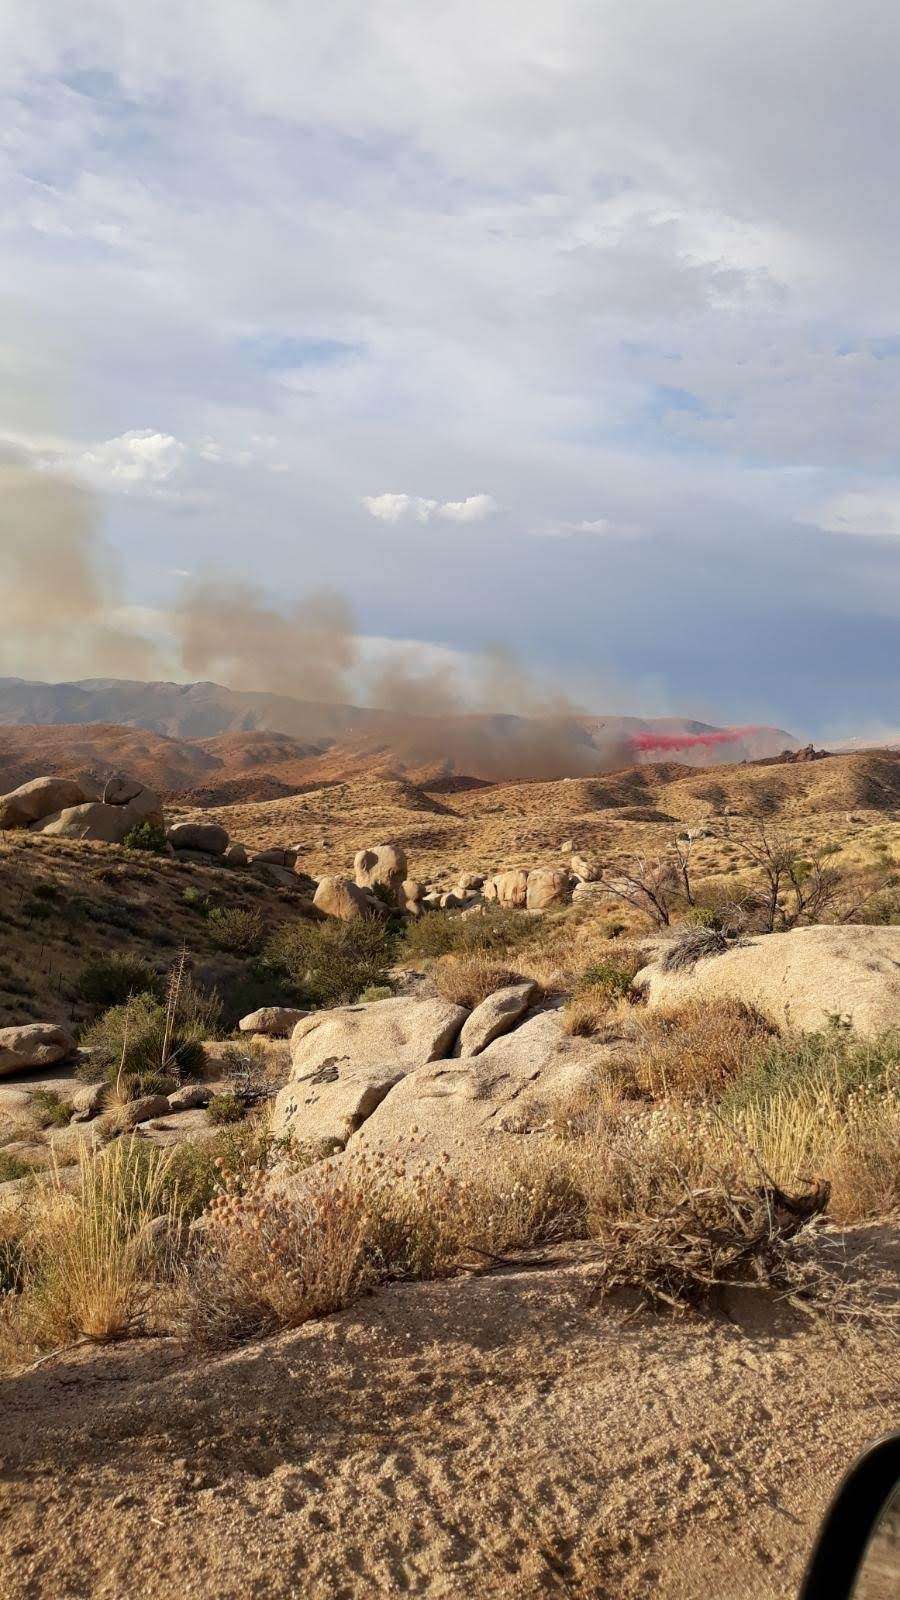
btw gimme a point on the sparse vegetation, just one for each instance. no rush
(466, 980)
(495, 931)
(146, 1046)
(224, 1108)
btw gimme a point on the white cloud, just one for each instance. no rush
(138, 458)
(474, 509)
(870, 513)
(396, 507)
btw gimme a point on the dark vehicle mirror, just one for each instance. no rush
(857, 1554)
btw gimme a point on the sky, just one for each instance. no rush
(571, 330)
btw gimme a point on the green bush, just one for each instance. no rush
(146, 836)
(238, 930)
(146, 1046)
(837, 1061)
(11, 1167)
(109, 980)
(225, 1108)
(51, 1112)
(236, 1151)
(329, 963)
(610, 980)
(494, 932)
(196, 900)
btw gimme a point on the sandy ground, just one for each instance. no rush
(497, 1435)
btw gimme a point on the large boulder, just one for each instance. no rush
(338, 897)
(277, 1022)
(207, 837)
(33, 1044)
(326, 1106)
(40, 798)
(548, 886)
(508, 888)
(798, 980)
(103, 822)
(452, 1107)
(402, 1031)
(383, 867)
(495, 1015)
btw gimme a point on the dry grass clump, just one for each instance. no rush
(90, 1254)
(268, 1260)
(696, 1050)
(466, 980)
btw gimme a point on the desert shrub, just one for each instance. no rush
(836, 1064)
(146, 836)
(196, 900)
(376, 991)
(697, 1049)
(270, 1261)
(11, 1167)
(49, 1110)
(494, 931)
(224, 1108)
(108, 980)
(599, 988)
(36, 909)
(692, 943)
(329, 963)
(146, 1045)
(232, 1157)
(90, 1255)
(240, 930)
(466, 980)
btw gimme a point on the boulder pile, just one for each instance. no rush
(72, 808)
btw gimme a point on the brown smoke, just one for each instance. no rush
(62, 604)
(58, 595)
(494, 724)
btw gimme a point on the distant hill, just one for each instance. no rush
(222, 736)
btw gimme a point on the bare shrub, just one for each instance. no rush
(685, 1243)
(466, 980)
(692, 944)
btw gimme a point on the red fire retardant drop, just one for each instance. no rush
(687, 741)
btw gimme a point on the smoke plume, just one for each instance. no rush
(493, 722)
(58, 595)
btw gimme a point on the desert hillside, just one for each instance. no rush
(311, 742)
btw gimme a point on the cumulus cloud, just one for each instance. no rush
(136, 459)
(397, 507)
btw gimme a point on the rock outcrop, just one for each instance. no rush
(277, 1022)
(40, 798)
(206, 837)
(344, 1061)
(383, 867)
(494, 1016)
(804, 979)
(33, 1044)
(339, 897)
(548, 886)
(455, 1105)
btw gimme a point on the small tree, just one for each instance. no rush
(795, 886)
(655, 885)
